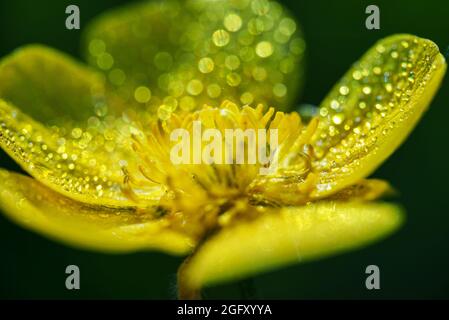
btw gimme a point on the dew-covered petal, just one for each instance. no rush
(373, 108)
(65, 165)
(53, 123)
(167, 55)
(286, 236)
(34, 206)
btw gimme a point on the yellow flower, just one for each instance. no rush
(96, 143)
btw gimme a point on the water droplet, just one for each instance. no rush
(260, 7)
(366, 90)
(232, 62)
(142, 94)
(264, 49)
(357, 75)
(324, 112)
(233, 22)
(164, 112)
(259, 73)
(194, 87)
(338, 118)
(247, 98)
(105, 61)
(344, 90)
(77, 133)
(97, 47)
(206, 65)
(187, 103)
(255, 26)
(377, 70)
(171, 103)
(279, 90)
(287, 26)
(233, 79)
(220, 38)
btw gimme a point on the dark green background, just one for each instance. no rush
(414, 262)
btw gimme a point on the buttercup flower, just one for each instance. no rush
(96, 141)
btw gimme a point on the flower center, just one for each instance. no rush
(215, 163)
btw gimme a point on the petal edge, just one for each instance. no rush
(288, 236)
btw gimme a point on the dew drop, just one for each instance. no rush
(344, 90)
(142, 94)
(264, 49)
(194, 87)
(220, 38)
(233, 22)
(206, 65)
(164, 112)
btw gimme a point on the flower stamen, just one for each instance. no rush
(203, 196)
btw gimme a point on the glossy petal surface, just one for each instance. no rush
(50, 86)
(286, 236)
(373, 108)
(73, 148)
(36, 207)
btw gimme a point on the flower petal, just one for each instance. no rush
(286, 236)
(364, 190)
(50, 86)
(77, 152)
(373, 108)
(36, 207)
(183, 54)
(61, 164)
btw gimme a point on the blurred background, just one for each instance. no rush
(414, 262)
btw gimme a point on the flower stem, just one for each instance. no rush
(186, 291)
